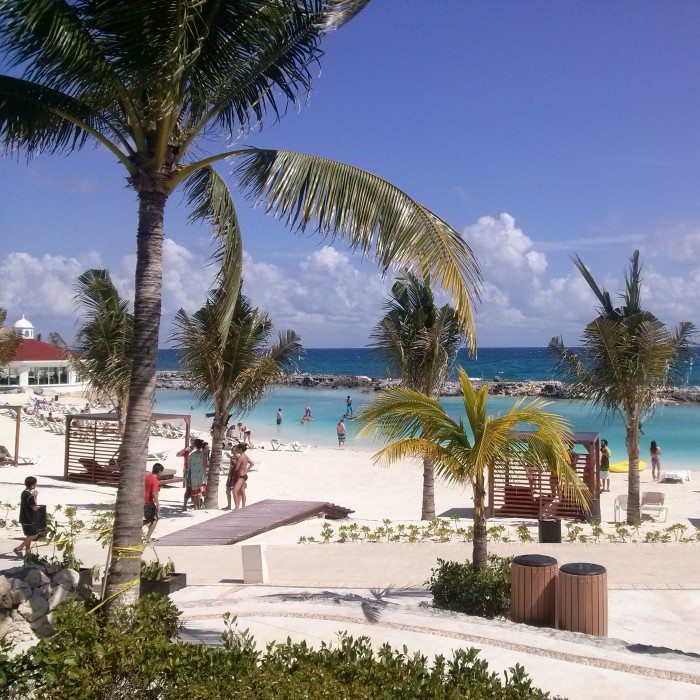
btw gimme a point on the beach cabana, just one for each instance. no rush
(92, 445)
(17, 410)
(518, 489)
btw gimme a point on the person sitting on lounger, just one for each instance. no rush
(5, 455)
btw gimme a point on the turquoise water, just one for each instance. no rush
(675, 428)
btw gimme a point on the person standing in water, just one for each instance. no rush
(340, 431)
(279, 416)
(655, 454)
(348, 407)
(604, 466)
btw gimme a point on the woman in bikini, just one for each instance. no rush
(240, 479)
(655, 454)
(231, 478)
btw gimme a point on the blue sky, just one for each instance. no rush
(537, 128)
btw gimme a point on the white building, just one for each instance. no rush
(37, 364)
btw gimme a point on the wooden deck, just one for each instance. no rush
(238, 525)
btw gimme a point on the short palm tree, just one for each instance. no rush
(233, 372)
(419, 342)
(103, 342)
(157, 83)
(417, 425)
(627, 356)
(9, 340)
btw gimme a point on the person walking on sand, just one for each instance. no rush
(340, 431)
(348, 407)
(27, 509)
(151, 502)
(279, 416)
(604, 466)
(185, 453)
(231, 478)
(242, 465)
(655, 454)
(197, 473)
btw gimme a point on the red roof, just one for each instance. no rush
(30, 350)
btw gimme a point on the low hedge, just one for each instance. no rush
(141, 659)
(462, 588)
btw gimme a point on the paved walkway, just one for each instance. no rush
(570, 665)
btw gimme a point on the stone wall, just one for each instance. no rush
(28, 595)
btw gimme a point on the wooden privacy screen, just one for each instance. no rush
(93, 442)
(518, 489)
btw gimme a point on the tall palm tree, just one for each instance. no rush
(9, 340)
(627, 356)
(420, 343)
(417, 425)
(104, 340)
(156, 82)
(233, 372)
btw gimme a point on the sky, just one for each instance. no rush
(536, 129)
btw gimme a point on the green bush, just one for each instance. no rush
(138, 659)
(462, 588)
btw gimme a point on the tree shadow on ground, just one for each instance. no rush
(458, 512)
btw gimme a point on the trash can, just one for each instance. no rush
(582, 599)
(550, 530)
(533, 579)
(40, 518)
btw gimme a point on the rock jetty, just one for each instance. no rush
(549, 389)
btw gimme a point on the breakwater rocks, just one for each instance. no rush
(497, 387)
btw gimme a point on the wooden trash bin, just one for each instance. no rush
(533, 590)
(582, 599)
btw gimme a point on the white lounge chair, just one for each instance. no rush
(620, 507)
(653, 502)
(675, 475)
(157, 456)
(293, 446)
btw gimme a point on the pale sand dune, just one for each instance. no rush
(347, 478)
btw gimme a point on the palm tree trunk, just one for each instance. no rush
(217, 433)
(124, 572)
(633, 510)
(428, 507)
(479, 545)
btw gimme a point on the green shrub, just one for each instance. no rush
(155, 571)
(138, 659)
(462, 588)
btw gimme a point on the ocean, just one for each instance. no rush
(674, 427)
(508, 363)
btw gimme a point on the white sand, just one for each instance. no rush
(347, 478)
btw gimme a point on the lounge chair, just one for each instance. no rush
(653, 502)
(675, 475)
(293, 446)
(620, 507)
(157, 456)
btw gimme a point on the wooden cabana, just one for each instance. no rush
(92, 445)
(17, 410)
(520, 490)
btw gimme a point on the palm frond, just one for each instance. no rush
(32, 117)
(633, 286)
(339, 12)
(602, 296)
(9, 340)
(211, 199)
(371, 214)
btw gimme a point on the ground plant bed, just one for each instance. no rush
(173, 583)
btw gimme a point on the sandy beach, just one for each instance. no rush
(347, 478)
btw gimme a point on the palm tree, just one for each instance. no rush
(104, 341)
(9, 340)
(627, 356)
(156, 83)
(417, 425)
(420, 343)
(233, 372)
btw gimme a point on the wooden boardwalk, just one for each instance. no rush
(238, 525)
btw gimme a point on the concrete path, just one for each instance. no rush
(566, 664)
